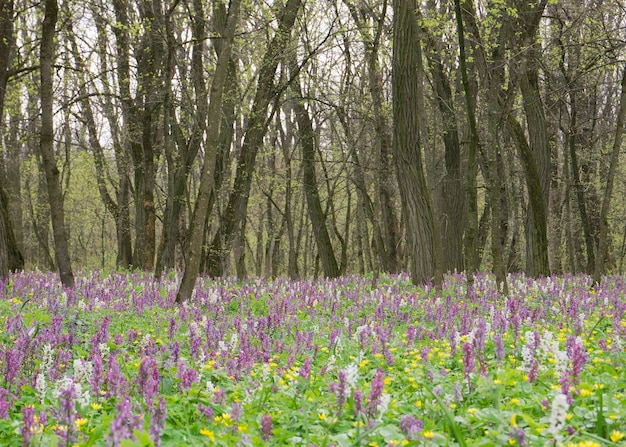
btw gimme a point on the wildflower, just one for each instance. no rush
(125, 423)
(428, 434)
(67, 413)
(378, 384)
(558, 416)
(616, 436)
(208, 433)
(148, 378)
(28, 423)
(468, 359)
(40, 386)
(412, 426)
(267, 427)
(157, 425)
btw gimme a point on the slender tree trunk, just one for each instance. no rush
(453, 219)
(471, 231)
(316, 214)
(608, 192)
(257, 125)
(422, 240)
(55, 194)
(214, 112)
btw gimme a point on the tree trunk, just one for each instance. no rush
(471, 232)
(316, 214)
(606, 200)
(10, 256)
(55, 194)
(453, 219)
(214, 112)
(422, 241)
(257, 125)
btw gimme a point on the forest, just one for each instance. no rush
(313, 138)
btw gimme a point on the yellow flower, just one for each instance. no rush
(616, 435)
(208, 433)
(80, 423)
(513, 420)
(585, 393)
(322, 416)
(472, 410)
(428, 434)
(95, 406)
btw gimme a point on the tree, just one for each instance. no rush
(424, 244)
(257, 125)
(314, 206)
(55, 195)
(196, 229)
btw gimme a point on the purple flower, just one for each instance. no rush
(187, 376)
(157, 425)
(576, 352)
(378, 385)
(97, 379)
(67, 414)
(519, 435)
(468, 359)
(305, 371)
(12, 365)
(358, 402)
(4, 403)
(207, 411)
(148, 379)
(28, 422)
(124, 423)
(267, 427)
(412, 426)
(236, 412)
(116, 382)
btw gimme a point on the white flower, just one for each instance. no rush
(558, 416)
(210, 388)
(83, 371)
(352, 375)
(40, 386)
(46, 358)
(104, 351)
(382, 406)
(562, 362)
(528, 351)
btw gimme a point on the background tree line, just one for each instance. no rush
(303, 137)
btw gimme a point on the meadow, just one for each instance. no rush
(312, 363)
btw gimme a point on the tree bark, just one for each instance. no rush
(316, 214)
(192, 266)
(610, 180)
(10, 256)
(55, 195)
(257, 125)
(422, 241)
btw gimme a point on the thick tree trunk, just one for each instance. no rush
(214, 112)
(55, 194)
(4, 251)
(10, 255)
(423, 243)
